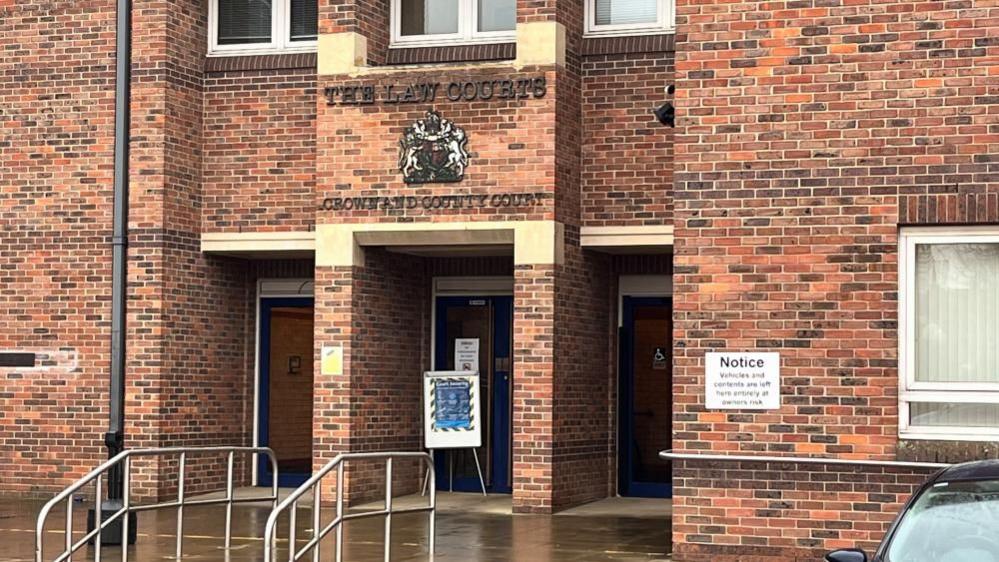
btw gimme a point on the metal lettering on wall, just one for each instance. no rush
(431, 202)
(428, 92)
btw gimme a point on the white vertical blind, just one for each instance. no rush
(952, 414)
(429, 17)
(244, 22)
(625, 12)
(497, 15)
(304, 20)
(957, 313)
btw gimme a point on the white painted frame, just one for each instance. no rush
(270, 289)
(641, 286)
(477, 286)
(665, 21)
(280, 34)
(468, 17)
(909, 389)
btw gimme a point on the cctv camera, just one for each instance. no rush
(666, 114)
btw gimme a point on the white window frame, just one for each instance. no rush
(280, 34)
(665, 22)
(910, 390)
(468, 17)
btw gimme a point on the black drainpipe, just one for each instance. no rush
(114, 439)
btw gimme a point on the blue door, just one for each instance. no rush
(488, 319)
(645, 397)
(284, 410)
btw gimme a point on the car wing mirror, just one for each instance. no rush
(847, 555)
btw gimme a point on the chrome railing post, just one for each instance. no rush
(274, 481)
(229, 486)
(292, 522)
(388, 509)
(69, 527)
(126, 505)
(180, 506)
(339, 512)
(316, 520)
(99, 516)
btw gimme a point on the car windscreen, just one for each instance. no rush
(950, 522)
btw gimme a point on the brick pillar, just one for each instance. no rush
(187, 385)
(533, 387)
(379, 313)
(334, 291)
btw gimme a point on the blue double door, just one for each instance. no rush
(489, 320)
(645, 397)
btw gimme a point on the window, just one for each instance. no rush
(254, 26)
(443, 22)
(629, 17)
(949, 333)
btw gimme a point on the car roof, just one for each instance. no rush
(976, 470)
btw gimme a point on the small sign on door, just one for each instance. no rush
(660, 359)
(466, 354)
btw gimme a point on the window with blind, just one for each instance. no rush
(950, 345)
(629, 17)
(252, 26)
(441, 22)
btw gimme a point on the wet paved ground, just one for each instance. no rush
(465, 533)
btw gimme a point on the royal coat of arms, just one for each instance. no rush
(433, 150)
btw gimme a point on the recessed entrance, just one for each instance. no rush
(488, 319)
(646, 396)
(285, 391)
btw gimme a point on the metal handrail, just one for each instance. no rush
(97, 475)
(319, 532)
(671, 455)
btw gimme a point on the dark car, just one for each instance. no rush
(953, 517)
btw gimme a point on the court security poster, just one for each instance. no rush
(451, 410)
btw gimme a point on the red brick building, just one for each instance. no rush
(830, 193)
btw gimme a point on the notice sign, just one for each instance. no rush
(454, 404)
(451, 410)
(331, 360)
(742, 381)
(466, 354)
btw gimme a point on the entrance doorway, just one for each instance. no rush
(285, 392)
(645, 396)
(489, 320)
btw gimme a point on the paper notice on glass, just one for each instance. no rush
(466, 354)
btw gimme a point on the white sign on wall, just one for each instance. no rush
(742, 381)
(451, 415)
(466, 354)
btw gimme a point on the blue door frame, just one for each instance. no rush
(627, 484)
(500, 407)
(264, 475)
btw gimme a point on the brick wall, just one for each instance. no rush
(807, 135)
(55, 177)
(627, 155)
(370, 19)
(260, 150)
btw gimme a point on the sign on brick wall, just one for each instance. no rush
(742, 381)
